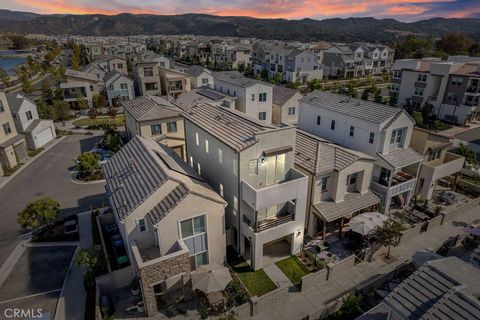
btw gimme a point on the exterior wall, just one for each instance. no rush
(117, 92)
(118, 64)
(197, 82)
(280, 113)
(6, 117)
(20, 120)
(141, 80)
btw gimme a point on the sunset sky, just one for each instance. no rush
(406, 10)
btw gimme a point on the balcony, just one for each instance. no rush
(438, 169)
(280, 192)
(472, 89)
(286, 216)
(401, 182)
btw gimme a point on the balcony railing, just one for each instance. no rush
(266, 224)
(401, 182)
(472, 89)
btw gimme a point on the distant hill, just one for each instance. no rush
(351, 29)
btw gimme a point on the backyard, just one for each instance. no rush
(293, 268)
(100, 121)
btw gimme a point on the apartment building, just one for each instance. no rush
(285, 105)
(109, 64)
(156, 118)
(339, 183)
(118, 88)
(80, 85)
(13, 148)
(37, 132)
(174, 82)
(170, 220)
(451, 87)
(254, 97)
(147, 78)
(251, 165)
(437, 162)
(234, 53)
(377, 130)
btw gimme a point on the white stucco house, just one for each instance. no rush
(118, 87)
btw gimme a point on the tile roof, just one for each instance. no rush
(282, 94)
(168, 203)
(81, 75)
(357, 108)
(401, 157)
(331, 211)
(151, 108)
(195, 70)
(233, 128)
(317, 155)
(238, 79)
(202, 95)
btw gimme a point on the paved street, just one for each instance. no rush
(472, 135)
(47, 176)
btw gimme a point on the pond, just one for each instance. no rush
(9, 59)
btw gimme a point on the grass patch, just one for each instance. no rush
(293, 268)
(9, 171)
(100, 121)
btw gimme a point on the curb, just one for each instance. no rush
(31, 160)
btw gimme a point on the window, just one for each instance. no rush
(141, 225)
(319, 118)
(197, 140)
(29, 115)
(194, 234)
(395, 87)
(396, 137)
(123, 86)
(457, 81)
(235, 203)
(199, 169)
(253, 167)
(262, 97)
(149, 86)
(2, 108)
(422, 77)
(397, 74)
(371, 138)
(451, 97)
(418, 92)
(191, 161)
(206, 146)
(156, 129)
(204, 81)
(352, 131)
(234, 166)
(162, 63)
(291, 111)
(324, 185)
(148, 72)
(172, 126)
(352, 179)
(120, 65)
(262, 115)
(434, 155)
(332, 125)
(6, 128)
(253, 97)
(220, 156)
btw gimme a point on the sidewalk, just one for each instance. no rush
(277, 276)
(298, 305)
(71, 303)
(48, 146)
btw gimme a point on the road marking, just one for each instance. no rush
(11, 261)
(31, 296)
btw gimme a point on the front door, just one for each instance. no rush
(275, 169)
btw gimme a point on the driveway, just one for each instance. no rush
(472, 135)
(37, 280)
(47, 176)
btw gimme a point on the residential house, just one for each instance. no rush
(339, 183)
(440, 289)
(232, 54)
(13, 148)
(450, 87)
(118, 87)
(94, 50)
(285, 105)
(174, 82)
(37, 132)
(147, 78)
(156, 118)
(80, 85)
(201, 77)
(108, 64)
(437, 163)
(251, 165)
(375, 129)
(254, 97)
(170, 220)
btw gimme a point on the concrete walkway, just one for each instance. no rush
(71, 303)
(298, 305)
(277, 276)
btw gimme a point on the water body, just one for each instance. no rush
(9, 59)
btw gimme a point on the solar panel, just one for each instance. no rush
(210, 94)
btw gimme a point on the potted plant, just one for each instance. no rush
(140, 307)
(135, 286)
(203, 311)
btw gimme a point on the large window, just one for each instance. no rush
(422, 77)
(291, 111)
(418, 92)
(262, 97)
(156, 129)
(397, 136)
(275, 168)
(29, 115)
(262, 115)
(324, 185)
(142, 227)
(352, 131)
(332, 125)
(172, 126)
(352, 179)
(194, 234)
(123, 86)
(371, 138)
(148, 72)
(434, 155)
(6, 128)
(149, 86)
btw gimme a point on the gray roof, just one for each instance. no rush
(238, 79)
(201, 95)
(357, 108)
(195, 70)
(401, 157)
(140, 168)
(440, 289)
(151, 108)
(317, 155)
(13, 140)
(231, 127)
(331, 210)
(33, 125)
(282, 94)
(15, 101)
(113, 75)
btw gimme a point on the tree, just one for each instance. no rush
(89, 258)
(314, 84)
(412, 46)
(389, 234)
(82, 103)
(4, 77)
(38, 213)
(469, 154)
(19, 42)
(62, 110)
(46, 111)
(454, 43)
(276, 78)
(26, 84)
(88, 162)
(112, 112)
(99, 101)
(92, 113)
(47, 93)
(112, 140)
(418, 117)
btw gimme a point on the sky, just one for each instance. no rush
(403, 10)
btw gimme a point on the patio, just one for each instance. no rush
(332, 249)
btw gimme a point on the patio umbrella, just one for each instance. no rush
(422, 256)
(367, 222)
(473, 231)
(210, 278)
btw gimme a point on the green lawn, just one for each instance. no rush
(100, 121)
(293, 268)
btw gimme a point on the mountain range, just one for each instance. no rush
(337, 29)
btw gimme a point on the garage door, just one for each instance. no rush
(43, 137)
